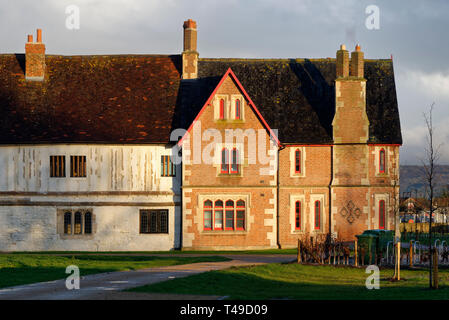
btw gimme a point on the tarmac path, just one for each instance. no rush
(109, 285)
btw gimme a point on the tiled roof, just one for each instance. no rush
(297, 96)
(141, 99)
(94, 99)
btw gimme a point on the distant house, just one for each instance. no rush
(90, 147)
(417, 210)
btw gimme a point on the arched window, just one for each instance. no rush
(229, 224)
(222, 109)
(218, 215)
(68, 223)
(78, 221)
(224, 160)
(235, 161)
(237, 109)
(317, 215)
(207, 215)
(298, 215)
(88, 223)
(240, 219)
(382, 214)
(382, 161)
(297, 161)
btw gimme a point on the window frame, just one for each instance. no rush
(315, 215)
(210, 209)
(150, 214)
(297, 163)
(68, 220)
(57, 166)
(298, 215)
(235, 152)
(218, 209)
(237, 209)
(224, 167)
(230, 209)
(77, 215)
(78, 166)
(238, 109)
(221, 109)
(382, 214)
(67, 226)
(220, 212)
(230, 160)
(168, 168)
(85, 228)
(382, 160)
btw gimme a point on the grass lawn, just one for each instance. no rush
(294, 281)
(30, 268)
(172, 252)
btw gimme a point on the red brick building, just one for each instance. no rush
(272, 150)
(333, 162)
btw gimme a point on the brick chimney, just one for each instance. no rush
(190, 55)
(357, 64)
(350, 123)
(342, 62)
(35, 58)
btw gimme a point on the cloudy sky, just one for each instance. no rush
(414, 32)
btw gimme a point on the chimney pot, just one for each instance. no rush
(30, 38)
(357, 63)
(190, 24)
(342, 63)
(39, 35)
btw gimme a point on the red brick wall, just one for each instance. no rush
(202, 179)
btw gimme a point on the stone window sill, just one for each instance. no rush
(223, 233)
(76, 236)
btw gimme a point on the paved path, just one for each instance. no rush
(108, 285)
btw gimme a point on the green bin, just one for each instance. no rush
(368, 242)
(374, 241)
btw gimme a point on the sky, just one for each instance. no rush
(414, 32)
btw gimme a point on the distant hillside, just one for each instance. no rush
(413, 177)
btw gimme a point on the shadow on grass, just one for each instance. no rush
(150, 258)
(250, 287)
(27, 269)
(25, 275)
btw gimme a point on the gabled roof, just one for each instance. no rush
(90, 99)
(231, 74)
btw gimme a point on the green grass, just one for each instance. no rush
(174, 252)
(294, 281)
(30, 268)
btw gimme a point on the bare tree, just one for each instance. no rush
(429, 164)
(396, 211)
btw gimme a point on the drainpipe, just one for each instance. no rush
(281, 147)
(181, 191)
(330, 191)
